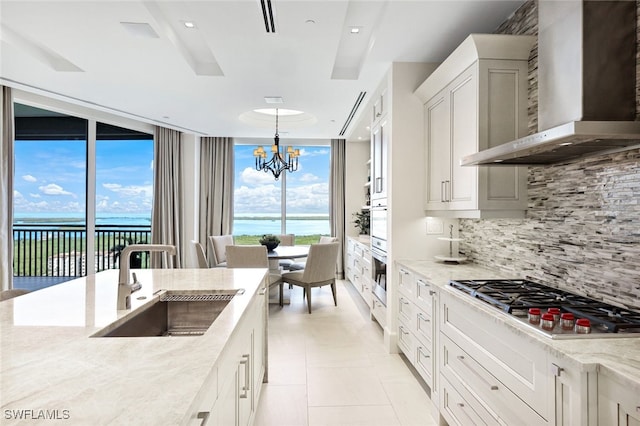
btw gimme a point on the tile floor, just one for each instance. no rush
(330, 368)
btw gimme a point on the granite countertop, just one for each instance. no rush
(50, 364)
(616, 356)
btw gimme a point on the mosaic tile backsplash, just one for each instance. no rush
(582, 227)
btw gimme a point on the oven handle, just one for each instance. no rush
(378, 254)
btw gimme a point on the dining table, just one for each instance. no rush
(275, 256)
(285, 252)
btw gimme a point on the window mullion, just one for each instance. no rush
(91, 198)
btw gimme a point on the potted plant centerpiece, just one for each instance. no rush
(270, 241)
(362, 220)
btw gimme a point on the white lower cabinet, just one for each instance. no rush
(230, 395)
(618, 401)
(358, 269)
(508, 376)
(481, 370)
(416, 323)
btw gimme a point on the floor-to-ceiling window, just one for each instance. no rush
(78, 184)
(123, 193)
(297, 203)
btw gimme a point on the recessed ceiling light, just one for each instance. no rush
(498, 161)
(189, 24)
(354, 30)
(309, 21)
(566, 143)
(273, 99)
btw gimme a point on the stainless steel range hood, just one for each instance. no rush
(586, 85)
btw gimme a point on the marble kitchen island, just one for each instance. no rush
(51, 367)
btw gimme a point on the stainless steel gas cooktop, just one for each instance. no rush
(554, 313)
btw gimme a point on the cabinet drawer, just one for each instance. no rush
(405, 309)
(424, 326)
(405, 282)
(406, 342)
(424, 293)
(463, 410)
(511, 358)
(508, 407)
(379, 311)
(424, 362)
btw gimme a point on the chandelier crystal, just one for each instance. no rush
(287, 159)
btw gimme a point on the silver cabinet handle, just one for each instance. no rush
(262, 291)
(448, 189)
(247, 378)
(442, 190)
(422, 353)
(402, 330)
(492, 387)
(403, 272)
(423, 318)
(378, 184)
(403, 301)
(204, 415)
(556, 370)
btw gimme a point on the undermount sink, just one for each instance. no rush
(171, 315)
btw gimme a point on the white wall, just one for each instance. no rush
(357, 155)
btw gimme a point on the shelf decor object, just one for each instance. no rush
(281, 160)
(450, 258)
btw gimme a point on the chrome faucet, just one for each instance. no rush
(124, 287)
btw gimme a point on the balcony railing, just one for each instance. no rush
(61, 250)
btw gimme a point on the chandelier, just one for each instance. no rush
(280, 161)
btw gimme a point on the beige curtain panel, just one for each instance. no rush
(166, 216)
(216, 189)
(6, 189)
(336, 198)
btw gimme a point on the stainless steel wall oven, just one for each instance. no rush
(379, 252)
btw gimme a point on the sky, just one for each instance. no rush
(50, 178)
(307, 188)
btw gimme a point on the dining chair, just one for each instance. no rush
(286, 240)
(253, 257)
(219, 244)
(320, 270)
(200, 255)
(299, 266)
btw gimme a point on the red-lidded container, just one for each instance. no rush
(583, 326)
(547, 321)
(556, 314)
(534, 315)
(567, 321)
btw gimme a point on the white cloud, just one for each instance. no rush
(251, 176)
(29, 178)
(131, 190)
(151, 165)
(53, 189)
(308, 177)
(314, 152)
(17, 194)
(34, 195)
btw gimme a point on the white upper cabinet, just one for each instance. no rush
(379, 146)
(476, 99)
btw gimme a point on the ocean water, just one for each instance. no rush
(299, 225)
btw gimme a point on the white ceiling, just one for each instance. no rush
(201, 80)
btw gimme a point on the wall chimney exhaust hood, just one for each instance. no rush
(586, 85)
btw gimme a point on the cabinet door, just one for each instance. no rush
(438, 152)
(464, 140)
(379, 141)
(618, 404)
